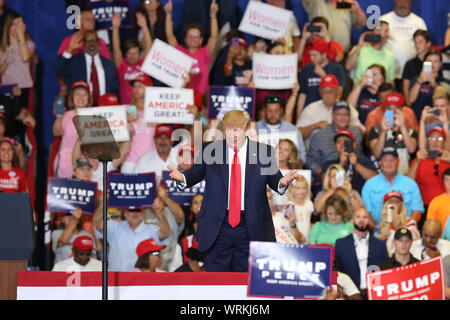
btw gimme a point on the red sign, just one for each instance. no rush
(418, 281)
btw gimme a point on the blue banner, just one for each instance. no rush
(224, 99)
(7, 90)
(185, 196)
(64, 195)
(289, 270)
(131, 190)
(104, 11)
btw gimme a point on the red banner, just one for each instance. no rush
(418, 281)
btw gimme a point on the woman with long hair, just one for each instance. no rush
(12, 178)
(155, 15)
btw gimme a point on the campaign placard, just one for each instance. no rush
(104, 10)
(167, 64)
(64, 195)
(168, 105)
(272, 138)
(273, 71)
(95, 130)
(224, 99)
(265, 21)
(131, 190)
(418, 281)
(279, 270)
(182, 197)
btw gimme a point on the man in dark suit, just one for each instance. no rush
(235, 209)
(360, 252)
(89, 66)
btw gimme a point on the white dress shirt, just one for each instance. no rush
(100, 72)
(362, 254)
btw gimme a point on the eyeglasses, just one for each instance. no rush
(273, 99)
(193, 36)
(435, 138)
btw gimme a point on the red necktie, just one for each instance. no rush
(94, 81)
(234, 208)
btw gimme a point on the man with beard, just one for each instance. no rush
(359, 251)
(81, 260)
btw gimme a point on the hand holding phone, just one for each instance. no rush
(427, 67)
(390, 213)
(372, 38)
(312, 28)
(343, 5)
(348, 146)
(389, 116)
(132, 111)
(59, 105)
(340, 178)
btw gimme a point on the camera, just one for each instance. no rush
(343, 5)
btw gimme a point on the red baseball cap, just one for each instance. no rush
(391, 194)
(186, 147)
(142, 78)
(81, 83)
(344, 132)
(83, 243)
(438, 129)
(395, 99)
(108, 99)
(148, 245)
(329, 80)
(163, 130)
(320, 45)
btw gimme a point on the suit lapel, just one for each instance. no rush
(353, 251)
(83, 70)
(224, 167)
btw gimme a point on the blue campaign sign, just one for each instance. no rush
(64, 195)
(7, 90)
(297, 271)
(224, 99)
(131, 190)
(182, 197)
(104, 10)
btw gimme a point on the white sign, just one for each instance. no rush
(265, 21)
(168, 105)
(95, 131)
(274, 71)
(272, 138)
(167, 64)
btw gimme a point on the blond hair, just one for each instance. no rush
(339, 205)
(326, 180)
(294, 161)
(299, 179)
(441, 93)
(237, 118)
(384, 225)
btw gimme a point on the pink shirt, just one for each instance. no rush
(126, 73)
(141, 139)
(65, 44)
(18, 71)
(68, 140)
(200, 69)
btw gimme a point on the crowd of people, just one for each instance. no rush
(370, 121)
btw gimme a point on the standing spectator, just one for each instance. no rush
(335, 224)
(12, 178)
(431, 244)
(149, 256)
(401, 256)
(365, 54)
(154, 13)
(393, 217)
(413, 67)
(82, 260)
(16, 117)
(4, 13)
(439, 206)
(402, 25)
(341, 20)
(311, 75)
(438, 116)
(199, 74)
(390, 179)
(237, 69)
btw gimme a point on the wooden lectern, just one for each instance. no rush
(16, 240)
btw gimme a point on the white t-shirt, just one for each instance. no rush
(347, 284)
(400, 41)
(417, 248)
(152, 162)
(69, 265)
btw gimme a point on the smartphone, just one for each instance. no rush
(391, 210)
(427, 66)
(290, 210)
(132, 111)
(340, 178)
(343, 5)
(433, 154)
(311, 28)
(389, 115)
(369, 73)
(435, 111)
(432, 247)
(348, 146)
(372, 38)
(59, 105)
(235, 42)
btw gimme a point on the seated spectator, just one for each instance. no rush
(70, 229)
(149, 256)
(364, 95)
(196, 261)
(401, 256)
(438, 207)
(123, 236)
(358, 168)
(12, 178)
(129, 62)
(393, 218)
(431, 244)
(394, 134)
(311, 74)
(423, 86)
(82, 260)
(321, 146)
(341, 21)
(336, 49)
(365, 54)
(237, 69)
(88, 66)
(191, 215)
(335, 224)
(318, 114)
(369, 250)
(390, 179)
(155, 16)
(330, 187)
(63, 127)
(199, 74)
(413, 67)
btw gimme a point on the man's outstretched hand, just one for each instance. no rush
(175, 175)
(288, 178)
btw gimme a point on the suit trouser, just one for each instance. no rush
(230, 251)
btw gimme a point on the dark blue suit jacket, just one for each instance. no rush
(258, 217)
(74, 70)
(347, 260)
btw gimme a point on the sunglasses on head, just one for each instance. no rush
(273, 99)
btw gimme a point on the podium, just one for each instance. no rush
(17, 240)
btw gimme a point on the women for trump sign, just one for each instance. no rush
(274, 71)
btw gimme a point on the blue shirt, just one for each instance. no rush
(446, 234)
(122, 241)
(375, 188)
